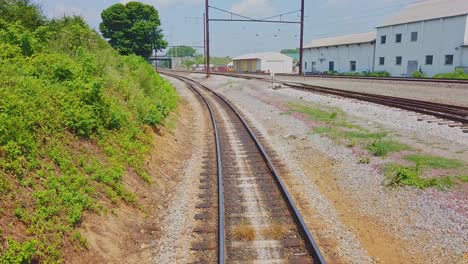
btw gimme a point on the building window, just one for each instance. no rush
(414, 36)
(398, 60)
(398, 38)
(352, 66)
(429, 59)
(381, 60)
(448, 59)
(383, 39)
(305, 65)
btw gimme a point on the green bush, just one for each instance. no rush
(378, 74)
(457, 74)
(62, 90)
(418, 74)
(411, 176)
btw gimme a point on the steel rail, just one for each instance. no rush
(445, 111)
(221, 225)
(310, 242)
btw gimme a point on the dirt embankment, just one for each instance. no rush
(127, 234)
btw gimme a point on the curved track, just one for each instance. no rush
(257, 219)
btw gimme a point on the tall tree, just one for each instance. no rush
(133, 28)
(24, 12)
(182, 51)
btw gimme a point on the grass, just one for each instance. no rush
(315, 113)
(275, 231)
(434, 162)
(398, 175)
(381, 148)
(75, 116)
(463, 178)
(244, 232)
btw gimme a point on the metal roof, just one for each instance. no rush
(428, 10)
(342, 40)
(263, 55)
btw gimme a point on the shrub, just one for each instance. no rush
(418, 74)
(410, 176)
(457, 74)
(381, 148)
(379, 74)
(62, 89)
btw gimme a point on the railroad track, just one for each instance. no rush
(458, 114)
(257, 219)
(311, 76)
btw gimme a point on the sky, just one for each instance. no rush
(182, 21)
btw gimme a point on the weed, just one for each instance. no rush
(275, 231)
(434, 162)
(463, 178)
(364, 160)
(80, 240)
(244, 231)
(381, 148)
(398, 175)
(314, 113)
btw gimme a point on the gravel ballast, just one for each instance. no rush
(177, 224)
(431, 222)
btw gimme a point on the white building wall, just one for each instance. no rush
(341, 56)
(435, 37)
(277, 65)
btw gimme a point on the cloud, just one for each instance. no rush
(253, 8)
(167, 3)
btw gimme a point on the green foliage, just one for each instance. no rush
(314, 113)
(418, 74)
(188, 64)
(74, 117)
(463, 178)
(457, 74)
(381, 148)
(23, 12)
(411, 176)
(182, 51)
(434, 162)
(378, 74)
(133, 28)
(19, 252)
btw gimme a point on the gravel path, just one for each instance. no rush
(432, 223)
(177, 224)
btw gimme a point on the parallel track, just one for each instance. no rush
(257, 218)
(444, 111)
(343, 77)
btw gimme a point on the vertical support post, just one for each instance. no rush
(204, 39)
(301, 46)
(156, 59)
(207, 21)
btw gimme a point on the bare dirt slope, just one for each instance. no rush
(128, 234)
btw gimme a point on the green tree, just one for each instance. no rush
(133, 28)
(182, 51)
(23, 12)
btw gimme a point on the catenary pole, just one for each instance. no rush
(207, 25)
(301, 46)
(204, 39)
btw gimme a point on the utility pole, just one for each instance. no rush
(204, 39)
(207, 25)
(301, 48)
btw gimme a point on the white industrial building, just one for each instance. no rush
(274, 62)
(431, 36)
(350, 53)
